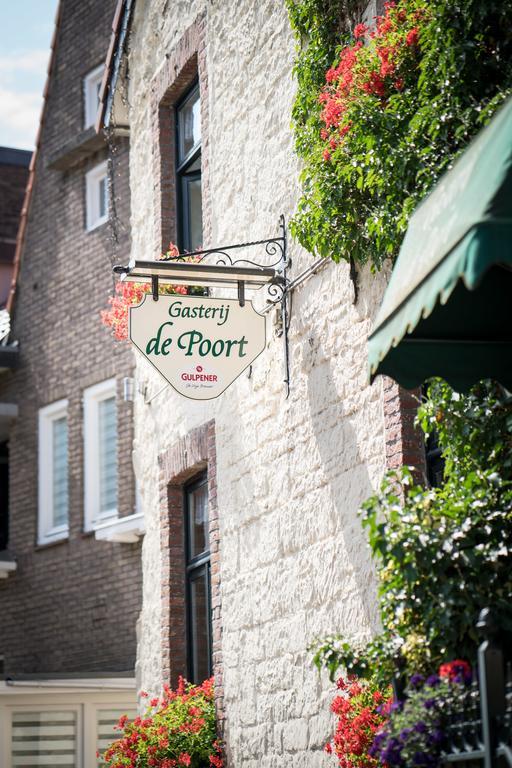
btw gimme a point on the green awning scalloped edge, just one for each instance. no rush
(487, 243)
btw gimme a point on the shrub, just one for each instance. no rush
(442, 554)
(176, 730)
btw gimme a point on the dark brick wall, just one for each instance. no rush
(72, 606)
(405, 442)
(13, 178)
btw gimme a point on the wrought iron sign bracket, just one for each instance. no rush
(217, 268)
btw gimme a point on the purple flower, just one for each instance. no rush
(429, 703)
(436, 738)
(416, 681)
(392, 753)
(420, 727)
(423, 759)
(406, 733)
(433, 681)
(378, 742)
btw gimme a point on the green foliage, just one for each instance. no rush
(402, 139)
(442, 554)
(179, 729)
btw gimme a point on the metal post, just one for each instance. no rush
(491, 673)
(284, 308)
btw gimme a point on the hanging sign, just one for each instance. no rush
(200, 345)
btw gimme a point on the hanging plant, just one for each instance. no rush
(379, 124)
(128, 294)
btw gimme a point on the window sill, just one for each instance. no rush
(41, 545)
(7, 564)
(126, 530)
(99, 223)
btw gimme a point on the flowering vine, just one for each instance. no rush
(379, 117)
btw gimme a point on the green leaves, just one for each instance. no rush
(444, 553)
(358, 202)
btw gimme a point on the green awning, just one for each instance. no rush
(447, 310)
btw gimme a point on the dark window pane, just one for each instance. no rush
(435, 461)
(200, 625)
(197, 503)
(195, 214)
(189, 125)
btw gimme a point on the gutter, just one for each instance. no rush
(120, 27)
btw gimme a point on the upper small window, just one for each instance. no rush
(53, 473)
(96, 193)
(92, 85)
(188, 126)
(100, 449)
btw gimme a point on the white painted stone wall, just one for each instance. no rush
(291, 473)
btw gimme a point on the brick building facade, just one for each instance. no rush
(283, 476)
(71, 605)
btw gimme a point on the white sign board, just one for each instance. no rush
(200, 345)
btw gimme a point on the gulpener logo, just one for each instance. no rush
(199, 375)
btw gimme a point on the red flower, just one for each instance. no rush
(184, 759)
(412, 37)
(456, 670)
(360, 30)
(326, 155)
(399, 84)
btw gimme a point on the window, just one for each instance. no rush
(100, 453)
(53, 473)
(62, 735)
(188, 164)
(106, 733)
(199, 625)
(52, 734)
(96, 196)
(92, 85)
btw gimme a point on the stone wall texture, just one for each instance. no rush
(72, 606)
(291, 473)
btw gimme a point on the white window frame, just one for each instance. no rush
(92, 196)
(91, 103)
(46, 709)
(46, 531)
(93, 396)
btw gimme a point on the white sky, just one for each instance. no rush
(25, 34)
